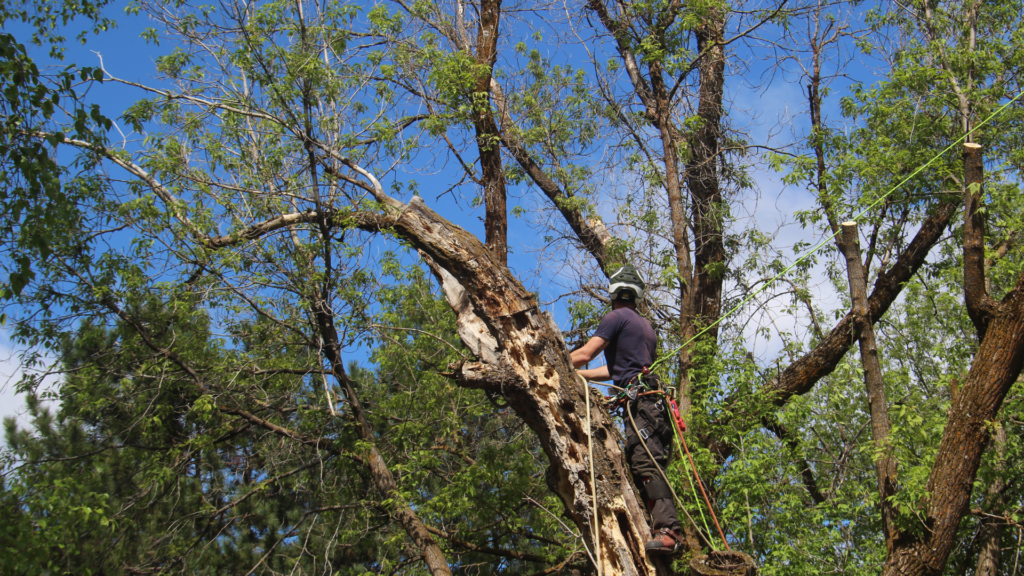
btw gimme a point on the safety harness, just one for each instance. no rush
(635, 389)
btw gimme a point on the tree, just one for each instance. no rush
(272, 195)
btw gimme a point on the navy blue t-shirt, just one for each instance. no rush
(631, 343)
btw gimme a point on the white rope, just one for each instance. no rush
(593, 483)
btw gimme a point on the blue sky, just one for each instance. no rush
(771, 113)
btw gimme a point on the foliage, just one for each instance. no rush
(238, 329)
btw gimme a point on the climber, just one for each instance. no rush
(629, 344)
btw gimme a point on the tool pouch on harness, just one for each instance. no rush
(649, 410)
(654, 410)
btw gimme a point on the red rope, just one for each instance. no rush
(677, 420)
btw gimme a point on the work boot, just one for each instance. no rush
(665, 542)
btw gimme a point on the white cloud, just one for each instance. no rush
(12, 404)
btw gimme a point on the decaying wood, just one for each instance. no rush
(527, 362)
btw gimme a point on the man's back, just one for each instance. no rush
(632, 343)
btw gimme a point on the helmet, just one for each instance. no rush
(626, 284)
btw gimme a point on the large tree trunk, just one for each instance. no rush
(524, 358)
(995, 368)
(708, 209)
(990, 536)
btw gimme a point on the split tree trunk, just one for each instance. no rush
(524, 358)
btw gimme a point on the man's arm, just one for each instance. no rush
(588, 352)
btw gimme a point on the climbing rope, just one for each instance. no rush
(700, 483)
(675, 497)
(593, 483)
(679, 427)
(664, 477)
(681, 442)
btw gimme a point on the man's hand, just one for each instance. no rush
(596, 374)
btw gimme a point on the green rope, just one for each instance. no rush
(696, 499)
(836, 233)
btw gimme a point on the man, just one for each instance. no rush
(629, 344)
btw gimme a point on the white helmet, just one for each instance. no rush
(626, 284)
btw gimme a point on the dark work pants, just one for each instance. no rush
(650, 419)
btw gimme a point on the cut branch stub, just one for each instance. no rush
(723, 563)
(980, 306)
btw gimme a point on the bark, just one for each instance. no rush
(878, 404)
(818, 131)
(592, 234)
(996, 366)
(708, 209)
(975, 294)
(800, 376)
(990, 536)
(488, 138)
(989, 539)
